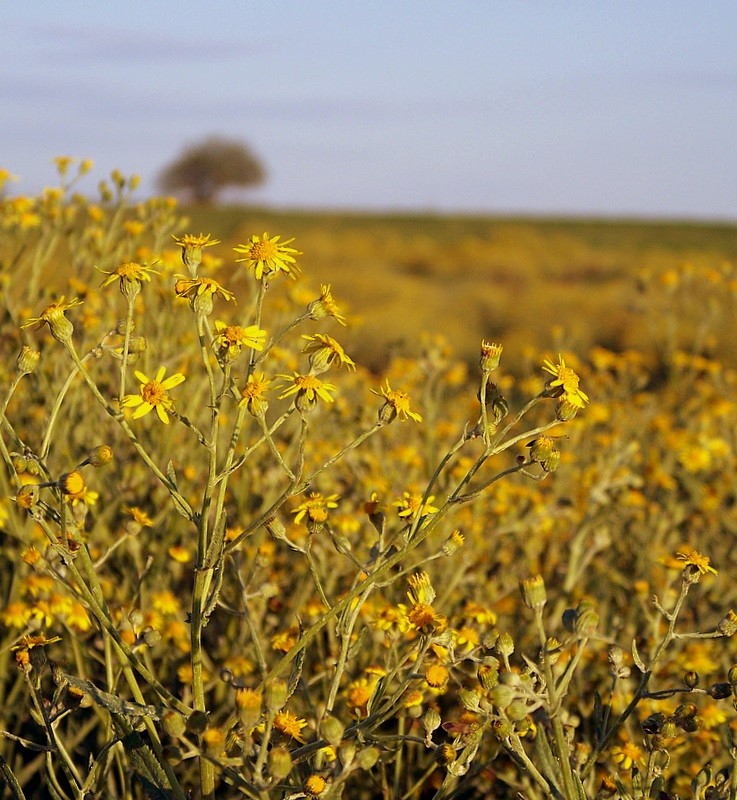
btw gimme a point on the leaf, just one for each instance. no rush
(171, 474)
(639, 663)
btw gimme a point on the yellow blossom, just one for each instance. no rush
(325, 306)
(231, 339)
(130, 275)
(267, 255)
(253, 394)
(396, 405)
(692, 559)
(315, 507)
(568, 380)
(289, 724)
(411, 505)
(324, 352)
(627, 755)
(308, 387)
(153, 394)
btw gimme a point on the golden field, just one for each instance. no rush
(405, 507)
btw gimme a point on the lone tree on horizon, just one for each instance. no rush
(203, 170)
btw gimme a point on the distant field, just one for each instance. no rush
(532, 282)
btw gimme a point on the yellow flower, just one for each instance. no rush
(153, 394)
(180, 554)
(130, 274)
(567, 379)
(694, 560)
(253, 394)
(289, 724)
(309, 388)
(315, 508)
(199, 287)
(359, 693)
(411, 505)
(139, 516)
(627, 755)
(396, 405)
(53, 315)
(436, 676)
(325, 351)
(192, 248)
(231, 339)
(165, 602)
(325, 306)
(267, 255)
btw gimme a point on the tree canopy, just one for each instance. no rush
(203, 170)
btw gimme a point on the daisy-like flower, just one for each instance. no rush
(421, 615)
(324, 351)
(308, 388)
(53, 315)
(153, 394)
(192, 249)
(267, 255)
(627, 755)
(130, 275)
(199, 287)
(315, 508)
(290, 725)
(695, 561)
(253, 394)
(325, 306)
(410, 505)
(396, 405)
(565, 378)
(231, 339)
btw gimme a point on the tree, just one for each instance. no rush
(204, 170)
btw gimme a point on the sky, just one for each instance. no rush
(590, 107)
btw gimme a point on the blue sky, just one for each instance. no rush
(595, 107)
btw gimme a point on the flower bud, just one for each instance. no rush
(502, 696)
(27, 496)
(332, 729)
(279, 763)
(445, 755)
(541, 448)
(552, 462)
(491, 354)
(728, 626)
(505, 645)
(248, 704)
(174, 723)
(430, 720)
(27, 360)
(534, 595)
(468, 699)
(719, 690)
(691, 679)
(368, 757)
(100, 456)
(517, 710)
(565, 410)
(277, 694)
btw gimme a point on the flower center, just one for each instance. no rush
(129, 270)
(263, 251)
(153, 392)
